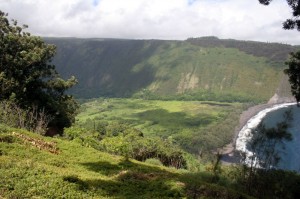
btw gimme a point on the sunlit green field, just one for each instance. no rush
(194, 125)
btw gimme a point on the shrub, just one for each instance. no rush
(134, 145)
(32, 119)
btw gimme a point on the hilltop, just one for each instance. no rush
(204, 68)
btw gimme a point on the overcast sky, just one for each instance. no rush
(154, 19)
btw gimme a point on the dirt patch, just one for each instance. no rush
(38, 143)
(187, 82)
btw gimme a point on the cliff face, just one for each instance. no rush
(200, 69)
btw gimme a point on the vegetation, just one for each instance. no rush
(294, 74)
(198, 127)
(259, 174)
(196, 69)
(130, 143)
(293, 63)
(28, 79)
(275, 53)
(31, 119)
(265, 142)
(294, 22)
(35, 166)
(154, 138)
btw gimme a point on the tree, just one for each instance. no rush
(266, 147)
(294, 22)
(27, 76)
(294, 74)
(294, 62)
(265, 142)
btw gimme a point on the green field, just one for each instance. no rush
(194, 125)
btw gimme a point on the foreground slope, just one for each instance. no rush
(33, 166)
(205, 68)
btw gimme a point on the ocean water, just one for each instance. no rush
(290, 152)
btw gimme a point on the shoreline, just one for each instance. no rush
(229, 155)
(254, 110)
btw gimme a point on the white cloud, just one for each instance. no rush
(154, 19)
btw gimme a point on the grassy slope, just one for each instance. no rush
(124, 67)
(81, 172)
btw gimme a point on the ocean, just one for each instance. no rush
(289, 151)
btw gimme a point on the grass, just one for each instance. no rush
(136, 109)
(192, 124)
(82, 172)
(78, 172)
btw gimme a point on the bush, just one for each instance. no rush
(32, 119)
(134, 145)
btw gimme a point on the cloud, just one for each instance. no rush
(154, 19)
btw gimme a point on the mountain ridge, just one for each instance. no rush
(198, 68)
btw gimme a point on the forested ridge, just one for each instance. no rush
(205, 68)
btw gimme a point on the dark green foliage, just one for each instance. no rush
(294, 74)
(28, 78)
(275, 52)
(85, 137)
(7, 138)
(294, 22)
(104, 67)
(123, 140)
(198, 185)
(199, 95)
(294, 64)
(181, 70)
(267, 184)
(166, 119)
(201, 142)
(197, 127)
(259, 176)
(82, 185)
(140, 148)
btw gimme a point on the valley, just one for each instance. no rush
(153, 120)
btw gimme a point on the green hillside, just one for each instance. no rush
(34, 166)
(201, 69)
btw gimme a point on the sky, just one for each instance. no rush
(154, 19)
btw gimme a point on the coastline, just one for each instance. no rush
(229, 155)
(254, 110)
